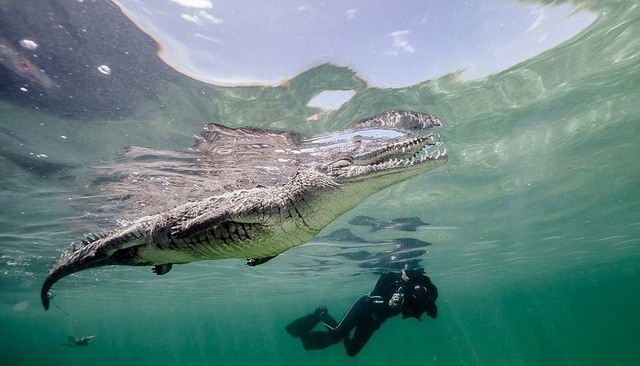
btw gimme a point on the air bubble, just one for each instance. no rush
(28, 44)
(104, 69)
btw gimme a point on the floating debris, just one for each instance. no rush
(17, 62)
(21, 305)
(104, 69)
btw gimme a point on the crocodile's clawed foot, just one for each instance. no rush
(162, 269)
(252, 262)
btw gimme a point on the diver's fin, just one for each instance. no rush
(252, 262)
(161, 269)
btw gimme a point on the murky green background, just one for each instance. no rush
(535, 224)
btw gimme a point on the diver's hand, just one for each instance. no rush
(394, 302)
(405, 278)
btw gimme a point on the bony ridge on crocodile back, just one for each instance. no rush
(330, 175)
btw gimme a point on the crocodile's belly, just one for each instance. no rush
(224, 242)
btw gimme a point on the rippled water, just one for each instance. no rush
(534, 225)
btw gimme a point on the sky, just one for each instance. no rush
(387, 43)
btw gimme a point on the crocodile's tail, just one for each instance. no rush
(71, 262)
(46, 286)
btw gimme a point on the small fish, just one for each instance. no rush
(78, 342)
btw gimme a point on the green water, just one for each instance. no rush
(535, 224)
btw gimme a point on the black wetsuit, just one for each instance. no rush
(365, 316)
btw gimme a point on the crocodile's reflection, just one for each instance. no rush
(403, 223)
(394, 255)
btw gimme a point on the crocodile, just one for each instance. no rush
(329, 175)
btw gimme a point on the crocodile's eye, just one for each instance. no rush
(342, 163)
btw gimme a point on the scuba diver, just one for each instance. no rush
(409, 292)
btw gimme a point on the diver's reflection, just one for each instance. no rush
(408, 292)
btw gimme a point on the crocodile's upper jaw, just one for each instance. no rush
(375, 148)
(413, 154)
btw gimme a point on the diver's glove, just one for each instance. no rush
(395, 300)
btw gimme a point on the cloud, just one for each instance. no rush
(192, 19)
(201, 17)
(540, 16)
(210, 39)
(351, 13)
(400, 41)
(195, 4)
(209, 18)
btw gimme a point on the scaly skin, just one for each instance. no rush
(260, 223)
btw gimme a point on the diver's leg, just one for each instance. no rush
(349, 320)
(317, 340)
(335, 331)
(329, 322)
(360, 338)
(323, 339)
(305, 324)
